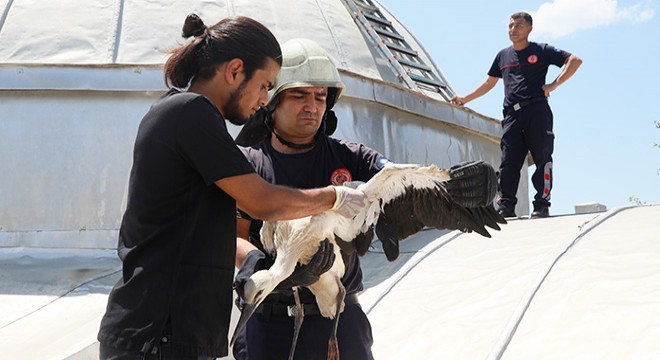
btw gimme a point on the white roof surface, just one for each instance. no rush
(568, 287)
(124, 33)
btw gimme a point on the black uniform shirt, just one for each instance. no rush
(524, 71)
(330, 162)
(177, 239)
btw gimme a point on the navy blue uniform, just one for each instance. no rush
(527, 120)
(268, 335)
(177, 240)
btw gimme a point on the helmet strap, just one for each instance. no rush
(294, 145)
(329, 123)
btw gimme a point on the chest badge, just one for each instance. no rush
(340, 176)
(532, 59)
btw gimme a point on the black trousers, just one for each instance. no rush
(164, 353)
(269, 337)
(527, 130)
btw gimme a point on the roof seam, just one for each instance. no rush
(411, 265)
(335, 38)
(519, 313)
(60, 296)
(117, 35)
(5, 12)
(231, 10)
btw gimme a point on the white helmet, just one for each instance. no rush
(306, 64)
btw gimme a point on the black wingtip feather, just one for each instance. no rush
(391, 249)
(433, 207)
(363, 240)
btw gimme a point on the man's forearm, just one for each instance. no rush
(481, 90)
(572, 64)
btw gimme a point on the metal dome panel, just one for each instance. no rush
(128, 33)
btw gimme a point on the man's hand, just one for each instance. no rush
(305, 275)
(472, 183)
(458, 100)
(349, 201)
(548, 88)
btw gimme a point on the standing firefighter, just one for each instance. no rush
(527, 116)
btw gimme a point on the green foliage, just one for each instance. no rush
(636, 200)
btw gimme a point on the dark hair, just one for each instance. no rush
(232, 37)
(522, 15)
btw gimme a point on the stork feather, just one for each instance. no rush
(410, 198)
(403, 199)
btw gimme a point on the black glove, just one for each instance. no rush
(254, 261)
(303, 275)
(472, 183)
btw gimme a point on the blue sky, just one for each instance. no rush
(603, 116)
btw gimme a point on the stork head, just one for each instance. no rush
(255, 290)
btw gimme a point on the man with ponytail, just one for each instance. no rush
(177, 239)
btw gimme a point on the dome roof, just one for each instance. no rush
(121, 33)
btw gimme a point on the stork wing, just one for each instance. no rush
(413, 197)
(360, 243)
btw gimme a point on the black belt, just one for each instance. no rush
(281, 309)
(517, 106)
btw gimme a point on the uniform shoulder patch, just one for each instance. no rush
(381, 161)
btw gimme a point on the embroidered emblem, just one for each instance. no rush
(340, 176)
(532, 59)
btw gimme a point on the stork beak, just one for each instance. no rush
(246, 313)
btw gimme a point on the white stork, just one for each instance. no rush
(403, 199)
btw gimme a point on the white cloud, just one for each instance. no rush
(564, 17)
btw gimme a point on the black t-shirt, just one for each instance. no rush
(330, 162)
(177, 239)
(524, 71)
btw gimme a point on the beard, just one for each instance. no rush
(233, 110)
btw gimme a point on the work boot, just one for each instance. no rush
(506, 212)
(543, 212)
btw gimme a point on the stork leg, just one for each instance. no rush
(333, 344)
(298, 320)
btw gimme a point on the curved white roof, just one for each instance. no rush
(566, 287)
(116, 33)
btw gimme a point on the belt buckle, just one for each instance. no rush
(516, 106)
(291, 310)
